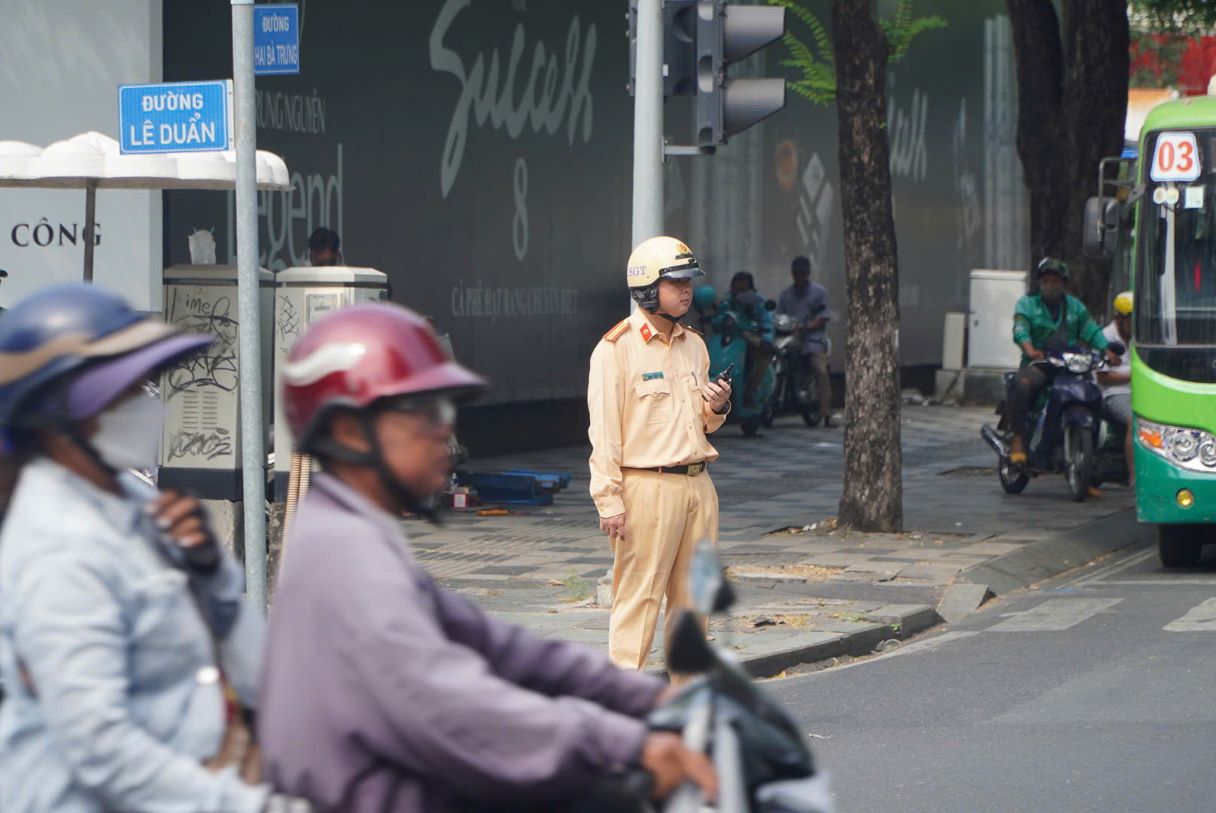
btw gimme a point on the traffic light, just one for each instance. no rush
(726, 34)
(701, 40)
(679, 47)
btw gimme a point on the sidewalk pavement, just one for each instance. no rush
(807, 590)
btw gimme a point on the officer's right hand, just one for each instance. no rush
(670, 763)
(613, 526)
(1035, 354)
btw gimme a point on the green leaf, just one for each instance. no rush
(817, 64)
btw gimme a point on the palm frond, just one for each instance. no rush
(818, 64)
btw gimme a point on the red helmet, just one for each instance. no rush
(360, 354)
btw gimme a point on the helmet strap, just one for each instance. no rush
(406, 499)
(373, 458)
(54, 417)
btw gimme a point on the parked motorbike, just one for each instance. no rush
(794, 389)
(1062, 429)
(730, 328)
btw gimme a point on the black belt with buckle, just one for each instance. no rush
(692, 469)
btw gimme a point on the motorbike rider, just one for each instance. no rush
(807, 302)
(383, 691)
(743, 298)
(1116, 382)
(1048, 320)
(118, 607)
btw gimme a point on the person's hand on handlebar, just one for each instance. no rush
(666, 758)
(1112, 359)
(1033, 353)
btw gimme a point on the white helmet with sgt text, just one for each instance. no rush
(657, 259)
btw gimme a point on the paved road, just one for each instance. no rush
(1094, 692)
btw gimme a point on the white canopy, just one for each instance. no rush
(91, 161)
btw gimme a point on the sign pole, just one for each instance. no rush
(253, 452)
(648, 124)
(90, 226)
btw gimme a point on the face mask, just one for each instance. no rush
(128, 433)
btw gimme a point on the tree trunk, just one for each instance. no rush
(1072, 101)
(873, 491)
(1097, 37)
(1040, 67)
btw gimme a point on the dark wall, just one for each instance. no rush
(479, 152)
(501, 209)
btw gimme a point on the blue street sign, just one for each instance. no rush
(175, 117)
(276, 39)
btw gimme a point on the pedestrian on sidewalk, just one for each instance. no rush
(324, 248)
(384, 692)
(126, 647)
(652, 404)
(807, 303)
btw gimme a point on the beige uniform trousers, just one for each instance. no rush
(666, 515)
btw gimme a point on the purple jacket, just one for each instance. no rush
(382, 691)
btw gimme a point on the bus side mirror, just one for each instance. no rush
(1101, 233)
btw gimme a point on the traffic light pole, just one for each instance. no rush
(648, 123)
(253, 431)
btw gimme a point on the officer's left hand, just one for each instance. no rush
(1112, 359)
(181, 518)
(717, 394)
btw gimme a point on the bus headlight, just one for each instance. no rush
(1191, 449)
(1183, 444)
(1207, 453)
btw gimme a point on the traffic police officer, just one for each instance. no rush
(652, 403)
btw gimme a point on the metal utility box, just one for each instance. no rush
(302, 295)
(200, 450)
(990, 321)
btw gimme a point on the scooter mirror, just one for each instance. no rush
(770, 305)
(688, 653)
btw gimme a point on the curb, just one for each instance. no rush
(1033, 562)
(1058, 554)
(907, 621)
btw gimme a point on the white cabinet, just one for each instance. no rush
(990, 320)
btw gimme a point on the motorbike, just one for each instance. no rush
(794, 390)
(760, 754)
(1063, 428)
(731, 328)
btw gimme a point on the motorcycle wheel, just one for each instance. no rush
(1079, 456)
(751, 425)
(770, 414)
(1013, 478)
(811, 418)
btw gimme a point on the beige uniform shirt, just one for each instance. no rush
(646, 406)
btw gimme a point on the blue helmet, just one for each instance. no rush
(88, 333)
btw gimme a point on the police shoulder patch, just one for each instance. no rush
(692, 330)
(619, 330)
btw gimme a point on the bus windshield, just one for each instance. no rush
(1176, 279)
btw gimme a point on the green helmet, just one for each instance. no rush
(1050, 265)
(704, 297)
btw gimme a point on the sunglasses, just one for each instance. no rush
(439, 411)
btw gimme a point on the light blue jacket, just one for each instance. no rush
(118, 702)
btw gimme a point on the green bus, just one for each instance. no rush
(1162, 224)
